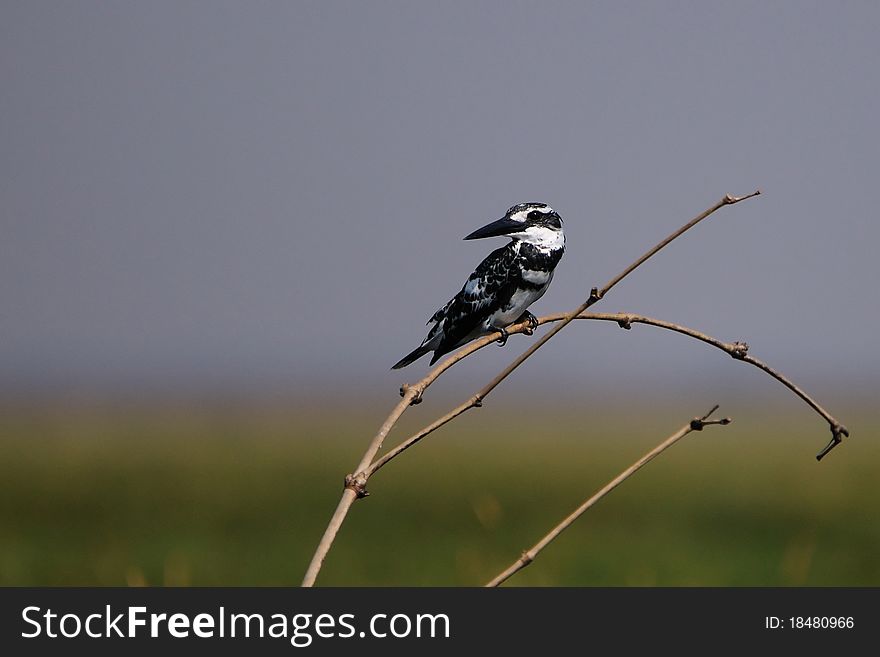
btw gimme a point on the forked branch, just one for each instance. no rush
(697, 424)
(355, 484)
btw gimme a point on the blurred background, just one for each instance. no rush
(223, 222)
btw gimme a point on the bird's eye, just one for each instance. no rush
(534, 214)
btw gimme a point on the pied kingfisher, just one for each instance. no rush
(503, 286)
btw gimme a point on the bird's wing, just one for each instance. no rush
(492, 282)
(440, 314)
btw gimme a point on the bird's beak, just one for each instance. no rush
(504, 226)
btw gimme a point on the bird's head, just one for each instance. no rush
(534, 223)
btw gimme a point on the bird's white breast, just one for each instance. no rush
(537, 277)
(519, 303)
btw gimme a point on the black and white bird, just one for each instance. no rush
(503, 286)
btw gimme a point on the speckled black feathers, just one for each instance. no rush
(491, 285)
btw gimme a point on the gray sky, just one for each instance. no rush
(274, 193)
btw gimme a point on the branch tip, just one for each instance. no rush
(837, 430)
(730, 200)
(707, 415)
(698, 423)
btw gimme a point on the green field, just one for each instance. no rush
(205, 496)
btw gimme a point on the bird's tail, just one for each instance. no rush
(412, 356)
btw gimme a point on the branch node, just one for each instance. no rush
(595, 295)
(417, 398)
(357, 483)
(477, 401)
(625, 323)
(526, 558)
(698, 423)
(738, 350)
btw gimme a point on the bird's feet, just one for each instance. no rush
(531, 319)
(504, 335)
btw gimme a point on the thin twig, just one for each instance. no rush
(412, 394)
(727, 200)
(355, 487)
(529, 555)
(737, 350)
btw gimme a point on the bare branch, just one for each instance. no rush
(727, 200)
(412, 394)
(529, 555)
(351, 492)
(838, 430)
(737, 350)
